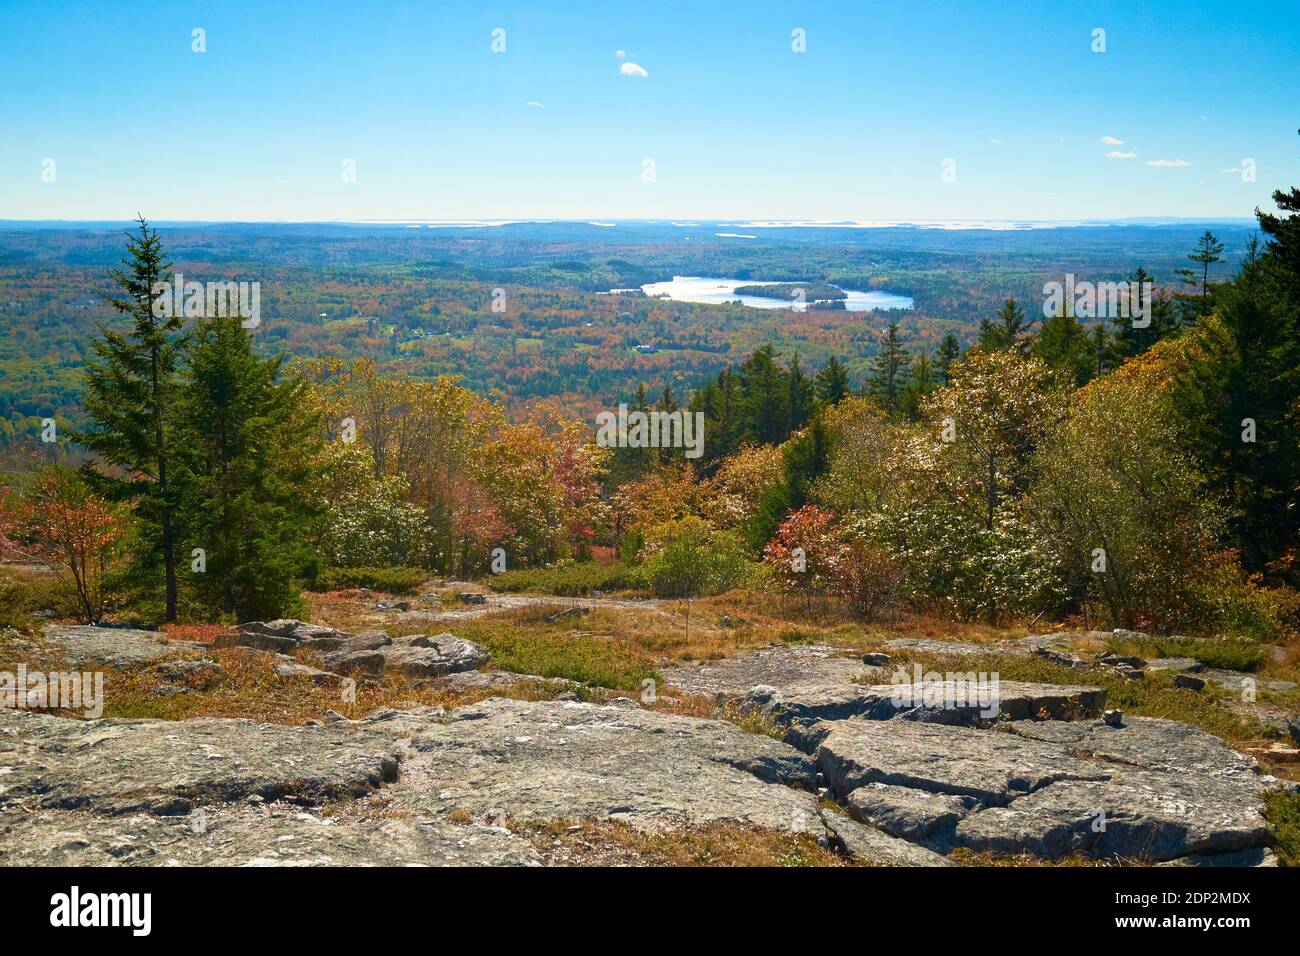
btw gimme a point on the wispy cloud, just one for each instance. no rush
(1112, 141)
(620, 53)
(536, 105)
(1168, 162)
(996, 141)
(632, 69)
(1120, 154)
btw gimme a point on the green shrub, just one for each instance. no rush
(1229, 653)
(570, 579)
(1282, 810)
(15, 605)
(687, 558)
(388, 580)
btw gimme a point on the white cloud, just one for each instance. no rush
(1120, 154)
(1112, 141)
(1168, 162)
(620, 53)
(632, 69)
(1236, 171)
(996, 140)
(536, 105)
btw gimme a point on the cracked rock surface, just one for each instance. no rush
(129, 791)
(914, 775)
(780, 665)
(1150, 789)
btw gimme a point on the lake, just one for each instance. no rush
(716, 291)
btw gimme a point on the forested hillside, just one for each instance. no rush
(420, 302)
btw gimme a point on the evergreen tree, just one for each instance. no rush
(920, 383)
(888, 370)
(765, 397)
(129, 396)
(832, 382)
(1196, 305)
(1100, 343)
(1129, 339)
(1064, 346)
(804, 460)
(799, 389)
(1240, 394)
(248, 447)
(1008, 331)
(948, 353)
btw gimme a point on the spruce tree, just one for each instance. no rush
(920, 383)
(801, 399)
(765, 397)
(247, 443)
(1063, 344)
(1240, 397)
(1008, 331)
(832, 382)
(888, 370)
(129, 398)
(948, 353)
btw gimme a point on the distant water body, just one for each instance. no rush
(717, 291)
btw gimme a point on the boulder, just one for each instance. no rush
(370, 662)
(947, 701)
(1187, 665)
(120, 648)
(202, 671)
(1061, 658)
(294, 669)
(285, 635)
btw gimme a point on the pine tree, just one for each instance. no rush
(1195, 306)
(248, 446)
(888, 370)
(129, 397)
(832, 382)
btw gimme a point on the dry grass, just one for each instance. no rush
(587, 843)
(964, 857)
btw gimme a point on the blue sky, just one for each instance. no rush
(738, 126)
